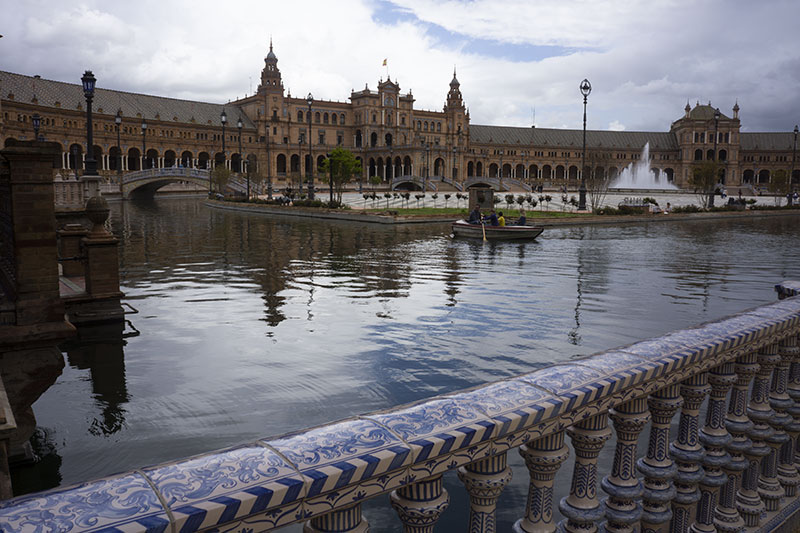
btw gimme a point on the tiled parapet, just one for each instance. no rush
(320, 476)
(786, 289)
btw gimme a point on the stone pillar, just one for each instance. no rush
(657, 467)
(715, 438)
(727, 517)
(485, 480)
(581, 507)
(764, 417)
(749, 500)
(420, 505)
(781, 402)
(623, 487)
(688, 454)
(102, 261)
(543, 457)
(348, 520)
(69, 247)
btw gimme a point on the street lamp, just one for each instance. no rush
(309, 101)
(454, 164)
(118, 122)
(586, 89)
(89, 80)
(714, 158)
(269, 166)
(37, 121)
(239, 125)
(144, 153)
(427, 168)
(794, 158)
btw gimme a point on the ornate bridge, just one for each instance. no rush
(152, 179)
(496, 183)
(735, 471)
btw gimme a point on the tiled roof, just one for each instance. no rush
(767, 141)
(557, 138)
(705, 112)
(48, 92)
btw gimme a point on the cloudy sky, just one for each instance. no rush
(645, 59)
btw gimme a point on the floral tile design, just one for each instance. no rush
(623, 369)
(220, 487)
(122, 503)
(336, 458)
(573, 383)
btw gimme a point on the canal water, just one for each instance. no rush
(252, 326)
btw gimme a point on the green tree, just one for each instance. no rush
(339, 169)
(779, 185)
(220, 177)
(704, 180)
(374, 181)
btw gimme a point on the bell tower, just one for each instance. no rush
(271, 86)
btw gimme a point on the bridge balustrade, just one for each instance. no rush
(735, 470)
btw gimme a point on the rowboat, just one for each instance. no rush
(462, 228)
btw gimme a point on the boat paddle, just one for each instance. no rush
(483, 227)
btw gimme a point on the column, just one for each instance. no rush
(485, 480)
(727, 517)
(543, 457)
(687, 453)
(623, 511)
(581, 507)
(769, 488)
(419, 505)
(715, 438)
(749, 500)
(657, 467)
(348, 520)
(64, 160)
(781, 401)
(794, 394)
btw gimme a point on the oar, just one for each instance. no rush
(483, 227)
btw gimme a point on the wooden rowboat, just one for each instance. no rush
(462, 228)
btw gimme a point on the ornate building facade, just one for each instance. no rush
(283, 138)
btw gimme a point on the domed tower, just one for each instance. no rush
(457, 127)
(271, 86)
(454, 100)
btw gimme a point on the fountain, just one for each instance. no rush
(637, 175)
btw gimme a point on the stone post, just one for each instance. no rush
(715, 438)
(347, 520)
(69, 247)
(102, 261)
(727, 517)
(420, 505)
(688, 454)
(485, 480)
(657, 467)
(543, 457)
(623, 486)
(581, 507)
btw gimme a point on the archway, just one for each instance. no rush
(186, 159)
(470, 169)
(151, 159)
(438, 167)
(507, 170)
(169, 159)
(114, 158)
(202, 160)
(76, 157)
(134, 157)
(492, 170)
(280, 166)
(236, 162)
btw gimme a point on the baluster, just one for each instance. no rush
(781, 399)
(543, 457)
(794, 393)
(623, 512)
(658, 468)
(581, 507)
(769, 488)
(715, 438)
(485, 480)
(727, 518)
(348, 520)
(687, 453)
(420, 504)
(750, 502)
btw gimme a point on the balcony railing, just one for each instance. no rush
(736, 470)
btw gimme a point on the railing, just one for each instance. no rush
(739, 470)
(169, 172)
(69, 193)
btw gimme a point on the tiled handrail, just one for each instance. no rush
(166, 172)
(322, 474)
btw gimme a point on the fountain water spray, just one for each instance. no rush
(638, 175)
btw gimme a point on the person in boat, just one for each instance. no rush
(501, 220)
(475, 215)
(522, 221)
(492, 219)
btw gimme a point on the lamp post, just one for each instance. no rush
(37, 121)
(310, 101)
(794, 158)
(427, 168)
(144, 152)
(714, 158)
(269, 166)
(454, 165)
(89, 80)
(241, 161)
(586, 89)
(75, 158)
(118, 122)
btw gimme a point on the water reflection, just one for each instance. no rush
(254, 326)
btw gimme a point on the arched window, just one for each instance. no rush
(281, 164)
(425, 126)
(316, 117)
(698, 155)
(333, 118)
(325, 118)
(299, 115)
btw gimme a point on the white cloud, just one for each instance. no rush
(645, 59)
(616, 125)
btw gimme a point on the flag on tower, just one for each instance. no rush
(384, 62)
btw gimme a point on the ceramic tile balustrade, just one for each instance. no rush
(320, 475)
